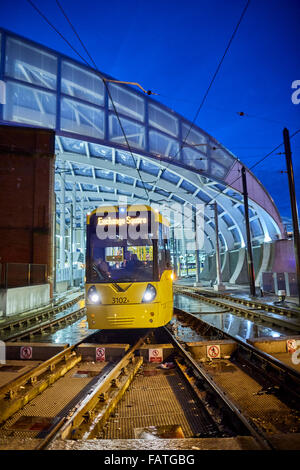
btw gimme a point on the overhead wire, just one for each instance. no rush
(211, 81)
(99, 73)
(113, 104)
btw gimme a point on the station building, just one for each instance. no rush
(170, 161)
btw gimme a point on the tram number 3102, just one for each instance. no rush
(120, 300)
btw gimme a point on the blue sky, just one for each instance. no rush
(173, 48)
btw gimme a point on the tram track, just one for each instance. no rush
(267, 366)
(247, 308)
(71, 398)
(28, 325)
(220, 416)
(18, 395)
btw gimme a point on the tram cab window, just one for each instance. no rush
(113, 261)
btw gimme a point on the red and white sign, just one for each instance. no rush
(291, 345)
(100, 354)
(155, 355)
(213, 351)
(26, 352)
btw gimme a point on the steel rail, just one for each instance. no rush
(260, 305)
(72, 419)
(41, 314)
(35, 329)
(287, 324)
(258, 435)
(18, 392)
(283, 373)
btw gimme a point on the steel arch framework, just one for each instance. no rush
(178, 163)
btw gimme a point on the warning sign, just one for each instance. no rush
(213, 351)
(155, 355)
(100, 354)
(291, 345)
(26, 352)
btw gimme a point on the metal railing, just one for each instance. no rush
(22, 274)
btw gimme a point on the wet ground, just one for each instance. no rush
(227, 322)
(70, 334)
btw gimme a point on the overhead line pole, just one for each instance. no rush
(248, 234)
(290, 172)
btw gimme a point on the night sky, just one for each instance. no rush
(173, 47)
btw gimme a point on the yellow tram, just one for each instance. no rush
(129, 279)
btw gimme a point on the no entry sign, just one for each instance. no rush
(155, 355)
(26, 352)
(100, 354)
(291, 345)
(213, 351)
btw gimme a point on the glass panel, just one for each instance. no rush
(162, 192)
(234, 194)
(221, 240)
(78, 82)
(204, 197)
(82, 170)
(97, 150)
(135, 133)
(142, 184)
(148, 167)
(123, 193)
(106, 189)
(169, 176)
(188, 186)
(235, 235)
(30, 64)
(162, 145)
(241, 208)
(194, 159)
(220, 187)
(217, 170)
(127, 102)
(229, 222)
(73, 145)
(31, 106)
(194, 137)
(163, 120)
(256, 228)
(222, 156)
(178, 199)
(125, 179)
(82, 119)
(105, 174)
(89, 187)
(126, 159)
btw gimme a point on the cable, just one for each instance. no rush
(223, 110)
(99, 73)
(108, 92)
(212, 80)
(253, 166)
(218, 67)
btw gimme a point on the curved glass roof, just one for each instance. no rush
(170, 162)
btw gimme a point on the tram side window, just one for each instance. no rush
(164, 257)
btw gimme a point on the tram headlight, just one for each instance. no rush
(93, 295)
(149, 294)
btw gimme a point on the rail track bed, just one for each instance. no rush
(195, 403)
(274, 315)
(30, 324)
(109, 392)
